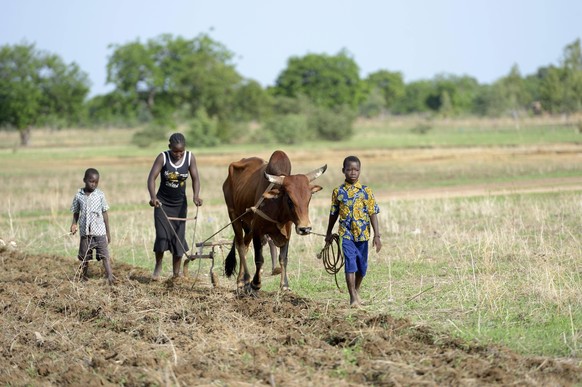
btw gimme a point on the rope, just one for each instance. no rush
(332, 257)
(172, 227)
(241, 215)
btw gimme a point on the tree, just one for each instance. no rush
(416, 95)
(561, 87)
(507, 94)
(572, 77)
(460, 90)
(252, 102)
(170, 73)
(328, 81)
(514, 91)
(37, 87)
(390, 84)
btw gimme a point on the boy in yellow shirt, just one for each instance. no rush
(356, 208)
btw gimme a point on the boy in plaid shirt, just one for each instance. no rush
(90, 218)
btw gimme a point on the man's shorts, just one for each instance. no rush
(355, 255)
(93, 242)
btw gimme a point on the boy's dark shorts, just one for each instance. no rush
(93, 242)
(355, 255)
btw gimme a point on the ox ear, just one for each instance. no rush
(315, 188)
(275, 179)
(316, 173)
(272, 194)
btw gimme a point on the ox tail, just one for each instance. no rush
(230, 262)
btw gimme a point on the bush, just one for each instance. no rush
(203, 130)
(332, 125)
(152, 133)
(373, 105)
(287, 129)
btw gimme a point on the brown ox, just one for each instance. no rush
(281, 199)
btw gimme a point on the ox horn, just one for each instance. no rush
(316, 173)
(275, 179)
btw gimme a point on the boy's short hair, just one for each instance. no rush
(90, 171)
(351, 159)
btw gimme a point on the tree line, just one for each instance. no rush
(171, 81)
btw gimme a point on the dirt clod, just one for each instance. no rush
(58, 331)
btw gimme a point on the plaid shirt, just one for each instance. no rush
(90, 208)
(354, 203)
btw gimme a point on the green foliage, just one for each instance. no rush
(152, 133)
(115, 109)
(389, 84)
(415, 98)
(561, 87)
(509, 94)
(374, 104)
(452, 94)
(332, 124)
(251, 102)
(291, 105)
(166, 73)
(37, 88)
(328, 81)
(203, 130)
(421, 128)
(288, 129)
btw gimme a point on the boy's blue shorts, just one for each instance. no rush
(355, 255)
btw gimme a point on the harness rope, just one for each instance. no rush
(332, 257)
(172, 226)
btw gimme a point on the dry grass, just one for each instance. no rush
(463, 248)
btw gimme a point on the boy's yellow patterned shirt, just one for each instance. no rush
(354, 203)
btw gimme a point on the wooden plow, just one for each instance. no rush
(199, 254)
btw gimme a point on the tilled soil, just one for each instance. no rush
(57, 330)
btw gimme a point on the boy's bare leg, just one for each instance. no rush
(84, 267)
(359, 279)
(176, 265)
(158, 267)
(351, 282)
(108, 272)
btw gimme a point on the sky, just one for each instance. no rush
(419, 38)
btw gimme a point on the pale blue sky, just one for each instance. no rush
(420, 38)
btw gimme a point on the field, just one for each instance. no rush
(479, 280)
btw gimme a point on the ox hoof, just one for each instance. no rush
(276, 271)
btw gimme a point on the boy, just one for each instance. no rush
(89, 210)
(356, 208)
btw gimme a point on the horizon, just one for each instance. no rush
(420, 39)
